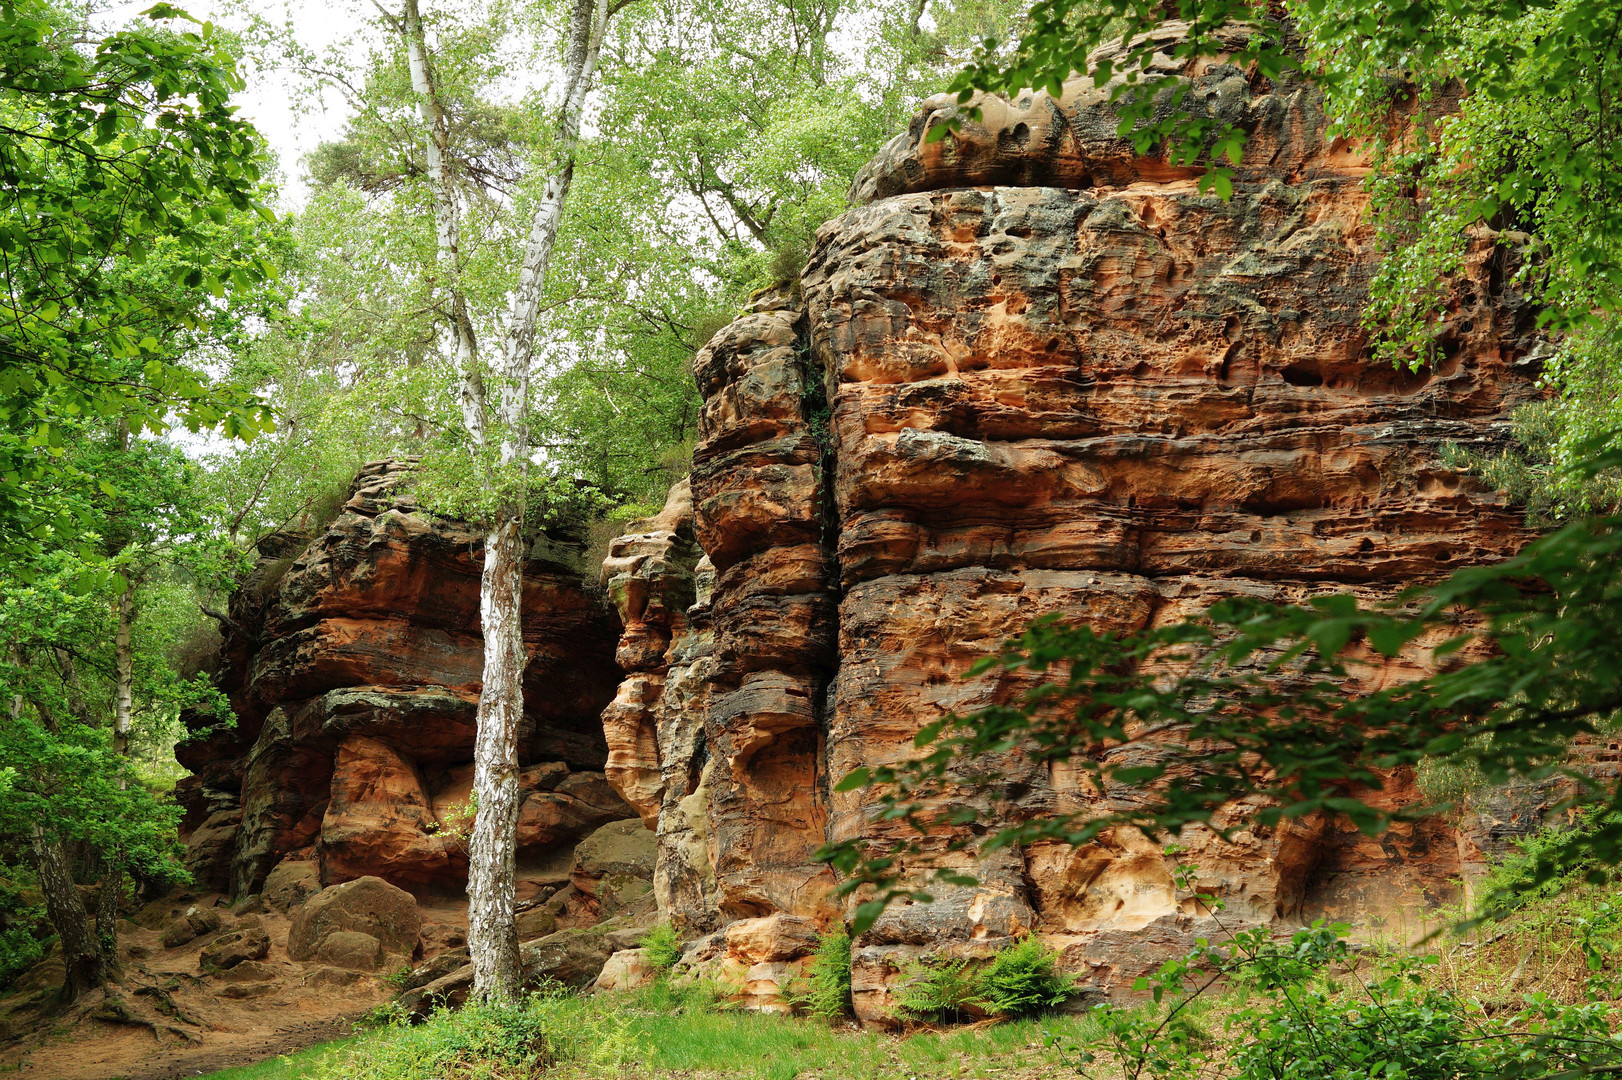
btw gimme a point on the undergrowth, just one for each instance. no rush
(1021, 980)
(827, 991)
(1529, 993)
(663, 946)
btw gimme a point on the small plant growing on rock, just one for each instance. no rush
(946, 992)
(663, 946)
(1024, 980)
(827, 990)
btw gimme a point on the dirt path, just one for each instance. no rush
(297, 1007)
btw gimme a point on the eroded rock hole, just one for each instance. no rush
(1299, 375)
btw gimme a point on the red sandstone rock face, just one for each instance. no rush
(1036, 372)
(354, 672)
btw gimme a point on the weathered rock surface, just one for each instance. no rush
(1034, 371)
(572, 957)
(367, 905)
(628, 969)
(228, 950)
(353, 666)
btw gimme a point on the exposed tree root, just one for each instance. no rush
(115, 1010)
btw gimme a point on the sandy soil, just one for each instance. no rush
(302, 1005)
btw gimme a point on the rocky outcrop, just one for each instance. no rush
(1034, 371)
(661, 585)
(352, 662)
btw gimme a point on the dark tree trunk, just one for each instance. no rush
(81, 954)
(112, 889)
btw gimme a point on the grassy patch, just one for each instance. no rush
(662, 1032)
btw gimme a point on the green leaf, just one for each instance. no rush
(854, 779)
(866, 915)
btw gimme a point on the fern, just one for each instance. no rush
(663, 946)
(827, 994)
(1023, 980)
(947, 992)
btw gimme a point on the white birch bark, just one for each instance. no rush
(123, 672)
(492, 928)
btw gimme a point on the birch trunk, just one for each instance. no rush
(492, 926)
(492, 931)
(124, 672)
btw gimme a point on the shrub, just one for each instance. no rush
(1024, 980)
(945, 992)
(663, 946)
(827, 994)
(1298, 1016)
(504, 1041)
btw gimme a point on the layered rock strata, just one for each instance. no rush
(1033, 371)
(352, 661)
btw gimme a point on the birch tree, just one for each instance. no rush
(494, 395)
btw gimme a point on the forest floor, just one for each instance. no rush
(199, 1028)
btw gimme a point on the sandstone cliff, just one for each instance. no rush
(353, 666)
(1033, 371)
(1030, 371)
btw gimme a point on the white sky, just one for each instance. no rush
(269, 101)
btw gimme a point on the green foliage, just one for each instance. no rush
(677, 1029)
(663, 946)
(1312, 1008)
(1021, 980)
(946, 991)
(1024, 980)
(503, 1041)
(129, 204)
(828, 983)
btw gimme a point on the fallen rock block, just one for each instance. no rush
(367, 905)
(331, 976)
(239, 991)
(351, 950)
(190, 925)
(228, 950)
(249, 971)
(628, 969)
(436, 967)
(572, 957)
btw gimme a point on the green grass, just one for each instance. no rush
(666, 1031)
(294, 1066)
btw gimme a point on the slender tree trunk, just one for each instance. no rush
(492, 924)
(86, 968)
(492, 933)
(124, 672)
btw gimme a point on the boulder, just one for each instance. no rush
(290, 883)
(627, 969)
(331, 976)
(368, 905)
(573, 958)
(613, 870)
(439, 937)
(536, 922)
(189, 925)
(772, 938)
(436, 967)
(350, 950)
(249, 971)
(244, 990)
(229, 950)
